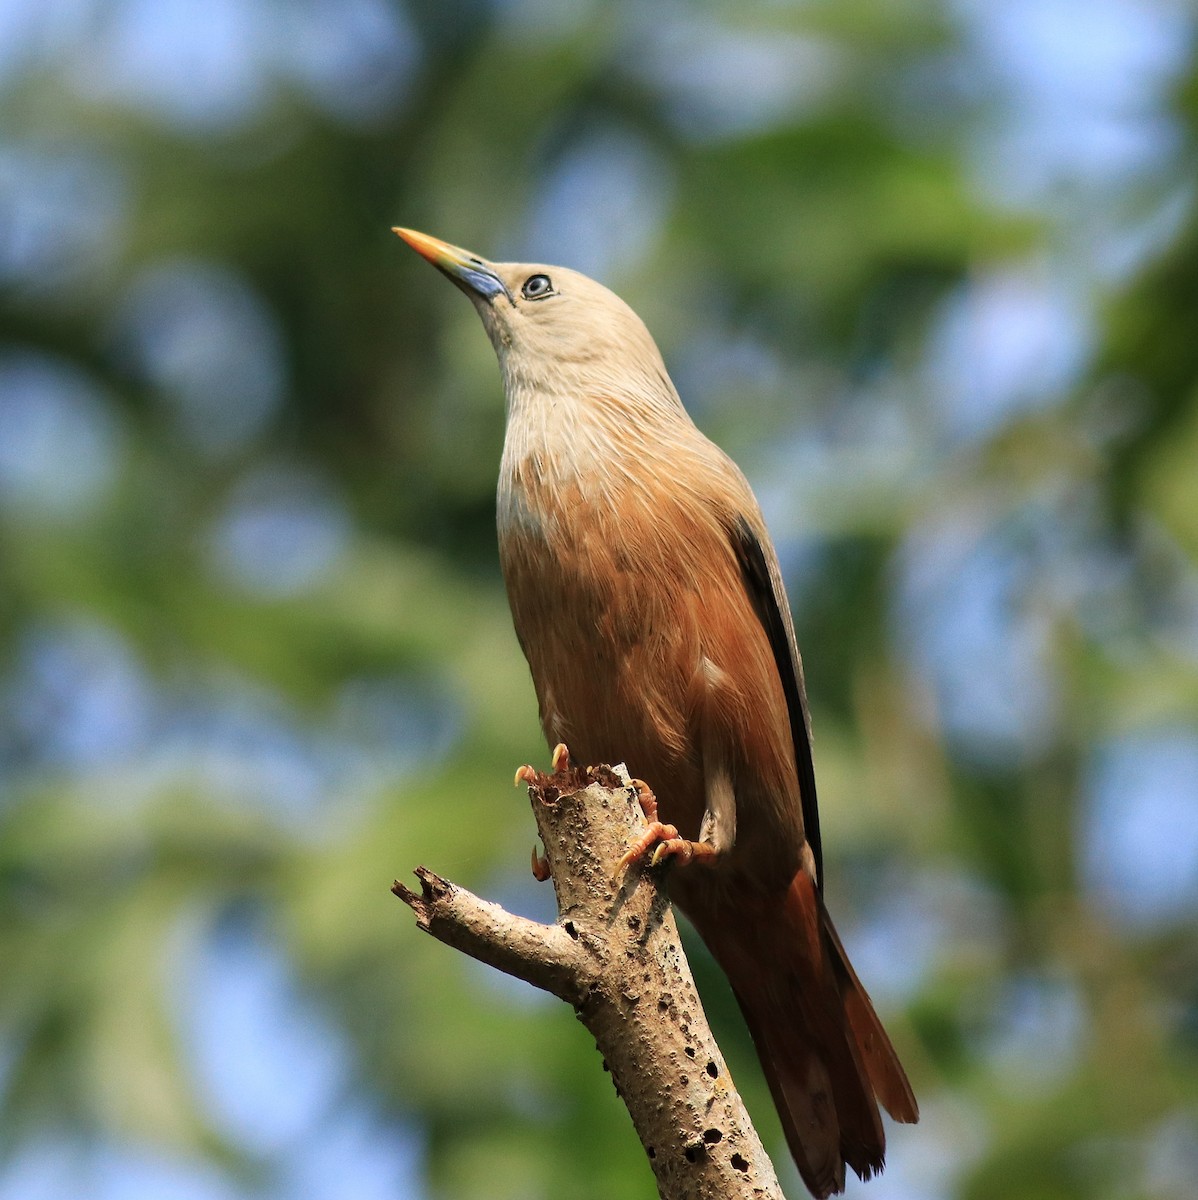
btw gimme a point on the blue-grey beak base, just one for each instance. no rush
(478, 279)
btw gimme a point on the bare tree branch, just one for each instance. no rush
(615, 955)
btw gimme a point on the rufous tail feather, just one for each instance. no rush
(823, 1050)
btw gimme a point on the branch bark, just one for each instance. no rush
(615, 955)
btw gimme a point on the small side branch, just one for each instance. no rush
(615, 955)
(544, 955)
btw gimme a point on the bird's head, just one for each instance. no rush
(555, 331)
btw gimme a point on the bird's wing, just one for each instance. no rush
(763, 582)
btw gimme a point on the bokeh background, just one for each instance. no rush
(927, 268)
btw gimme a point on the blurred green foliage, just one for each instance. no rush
(255, 656)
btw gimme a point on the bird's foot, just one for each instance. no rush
(560, 762)
(668, 843)
(529, 775)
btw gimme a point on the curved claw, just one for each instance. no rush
(524, 774)
(540, 865)
(561, 757)
(663, 851)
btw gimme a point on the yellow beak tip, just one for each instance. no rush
(430, 248)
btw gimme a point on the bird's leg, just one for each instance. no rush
(669, 843)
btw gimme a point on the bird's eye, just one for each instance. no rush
(537, 287)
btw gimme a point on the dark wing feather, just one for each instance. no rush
(763, 581)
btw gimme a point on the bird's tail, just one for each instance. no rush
(825, 1054)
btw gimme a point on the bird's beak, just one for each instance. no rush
(472, 274)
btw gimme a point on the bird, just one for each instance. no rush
(648, 599)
